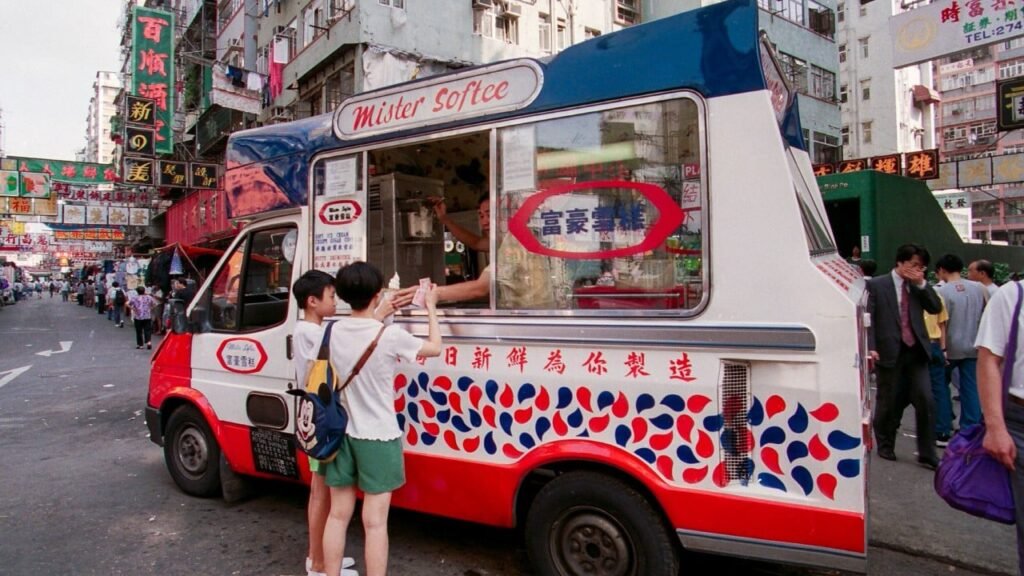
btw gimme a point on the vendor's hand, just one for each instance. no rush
(403, 297)
(384, 309)
(440, 209)
(1000, 446)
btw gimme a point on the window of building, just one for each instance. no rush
(865, 132)
(984, 75)
(845, 135)
(1011, 69)
(483, 22)
(627, 11)
(589, 33)
(507, 29)
(487, 23)
(826, 148)
(562, 34)
(795, 70)
(842, 53)
(821, 19)
(312, 22)
(400, 4)
(863, 44)
(1013, 44)
(865, 89)
(841, 12)
(844, 93)
(544, 32)
(823, 83)
(582, 249)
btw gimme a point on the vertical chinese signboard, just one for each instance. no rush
(153, 68)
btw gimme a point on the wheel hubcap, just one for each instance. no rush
(192, 451)
(589, 542)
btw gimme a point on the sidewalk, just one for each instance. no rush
(906, 515)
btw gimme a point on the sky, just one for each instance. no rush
(50, 51)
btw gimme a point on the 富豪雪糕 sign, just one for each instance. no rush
(488, 90)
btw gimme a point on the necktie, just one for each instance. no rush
(905, 332)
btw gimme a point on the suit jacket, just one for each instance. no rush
(884, 335)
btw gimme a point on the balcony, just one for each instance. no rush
(343, 30)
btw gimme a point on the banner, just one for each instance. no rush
(107, 234)
(96, 215)
(35, 185)
(93, 194)
(153, 68)
(140, 112)
(10, 182)
(947, 26)
(63, 171)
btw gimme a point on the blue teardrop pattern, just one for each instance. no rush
(526, 391)
(675, 402)
(414, 412)
(459, 424)
(770, 481)
(756, 413)
(714, 423)
(542, 427)
(439, 397)
(464, 383)
(424, 380)
(622, 435)
(526, 441)
(798, 421)
(428, 439)
(491, 389)
(773, 435)
(443, 416)
(505, 420)
(401, 421)
(644, 402)
(564, 397)
(575, 419)
(663, 422)
(803, 479)
(685, 454)
(474, 419)
(849, 468)
(647, 455)
(842, 441)
(489, 446)
(796, 451)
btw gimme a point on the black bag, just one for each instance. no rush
(119, 298)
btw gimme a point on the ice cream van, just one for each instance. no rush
(671, 352)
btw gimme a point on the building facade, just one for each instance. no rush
(99, 147)
(884, 111)
(803, 33)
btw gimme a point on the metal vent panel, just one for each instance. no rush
(734, 399)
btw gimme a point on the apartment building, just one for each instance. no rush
(884, 111)
(967, 129)
(98, 145)
(804, 35)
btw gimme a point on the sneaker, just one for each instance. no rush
(138, 347)
(149, 345)
(942, 440)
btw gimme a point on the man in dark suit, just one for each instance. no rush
(898, 344)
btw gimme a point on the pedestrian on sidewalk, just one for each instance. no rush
(53, 288)
(80, 293)
(898, 345)
(1004, 420)
(101, 295)
(116, 299)
(965, 302)
(141, 306)
(90, 294)
(983, 272)
(158, 309)
(370, 457)
(65, 289)
(936, 326)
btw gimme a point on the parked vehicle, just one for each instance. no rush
(671, 354)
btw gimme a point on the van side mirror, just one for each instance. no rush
(179, 321)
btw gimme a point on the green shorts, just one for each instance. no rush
(315, 466)
(374, 466)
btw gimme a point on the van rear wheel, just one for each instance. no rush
(586, 523)
(192, 453)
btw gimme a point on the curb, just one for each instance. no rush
(939, 558)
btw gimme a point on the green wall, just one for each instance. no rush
(895, 210)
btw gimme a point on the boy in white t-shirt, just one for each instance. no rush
(314, 291)
(371, 455)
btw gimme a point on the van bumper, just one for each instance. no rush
(153, 423)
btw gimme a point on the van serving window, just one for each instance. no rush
(602, 211)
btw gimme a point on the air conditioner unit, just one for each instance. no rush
(235, 43)
(960, 144)
(483, 3)
(515, 10)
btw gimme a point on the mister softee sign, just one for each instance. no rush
(488, 90)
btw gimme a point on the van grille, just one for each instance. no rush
(734, 390)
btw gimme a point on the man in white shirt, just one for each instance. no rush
(982, 271)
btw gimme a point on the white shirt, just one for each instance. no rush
(371, 395)
(994, 332)
(306, 340)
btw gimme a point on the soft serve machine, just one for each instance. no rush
(405, 237)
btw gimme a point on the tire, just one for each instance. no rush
(192, 453)
(586, 523)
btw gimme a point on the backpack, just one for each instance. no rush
(119, 298)
(320, 417)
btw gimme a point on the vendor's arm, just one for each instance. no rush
(470, 239)
(469, 290)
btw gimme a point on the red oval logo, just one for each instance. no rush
(241, 355)
(670, 217)
(340, 212)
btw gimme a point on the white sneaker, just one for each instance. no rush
(349, 572)
(346, 562)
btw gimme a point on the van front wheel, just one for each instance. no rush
(586, 523)
(192, 454)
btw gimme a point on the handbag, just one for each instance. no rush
(970, 480)
(320, 417)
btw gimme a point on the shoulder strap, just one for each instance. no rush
(363, 358)
(325, 344)
(1011, 344)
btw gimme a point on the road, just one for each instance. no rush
(83, 491)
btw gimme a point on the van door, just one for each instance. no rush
(242, 323)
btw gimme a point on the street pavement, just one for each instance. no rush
(84, 491)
